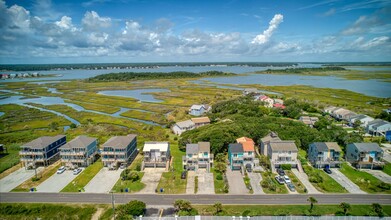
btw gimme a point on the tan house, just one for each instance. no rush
(119, 150)
(201, 121)
(322, 154)
(79, 152)
(198, 156)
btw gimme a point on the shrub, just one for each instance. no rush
(384, 186)
(286, 166)
(132, 208)
(219, 176)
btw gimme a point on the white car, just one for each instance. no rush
(287, 180)
(61, 170)
(76, 171)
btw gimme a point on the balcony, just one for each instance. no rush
(292, 162)
(31, 153)
(71, 153)
(113, 153)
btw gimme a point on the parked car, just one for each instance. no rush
(327, 170)
(183, 175)
(280, 172)
(286, 179)
(61, 170)
(76, 171)
(291, 187)
(249, 168)
(280, 180)
(123, 166)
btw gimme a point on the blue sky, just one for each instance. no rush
(60, 31)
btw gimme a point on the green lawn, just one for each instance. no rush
(132, 186)
(11, 158)
(171, 181)
(220, 185)
(278, 210)
(364, 180)
(84, 177)
(298, 185)
(46, 211)
(387, 168)
(270, 185)
(324, 182)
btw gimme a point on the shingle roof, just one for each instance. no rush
(79, 142)
(197, 107)
(200, 120)
(185, 124)
(120, 141)
(204, 146)
(367, 147)
(42, 142)
(270, 137)
(325, 146)
(192, 149)
(283, 146)
(235, 148)
(152, 145)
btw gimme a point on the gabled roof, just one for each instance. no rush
(119, 141)
(185, 124)
(192, 149)
(204, 146)
(325, 146)
(367, 147)
(235, 148)
(283, 146)
(360, 117)
(200, 120)
(197, 107)
(247, 143)
(153, 145)
(42, 142)
(270, 137)
(79, 142)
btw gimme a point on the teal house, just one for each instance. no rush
(235, 156)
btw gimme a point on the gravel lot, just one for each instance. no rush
(103, 181)
(16, 178)
(57, 182)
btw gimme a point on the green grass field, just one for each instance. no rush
(130, 185)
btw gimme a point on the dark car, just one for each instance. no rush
(291, 187)
(183, 175)
(280, 172)
(280, 180)
(327, 170)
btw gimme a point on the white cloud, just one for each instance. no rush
(273, 25)
(92, 21)
(65, 23)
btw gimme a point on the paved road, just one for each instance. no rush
(103, 181)
(190, 182)
(235, 182)
(345, 182)
(255, 181)
(304, 180)
(57, 182)
(158, 199)
(16, 178)
(380, 175)
(206, 183)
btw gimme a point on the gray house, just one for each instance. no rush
(364, 155)
(265, 141)
(119, 150)
(378, 127)
(198, 156)
(79, 152)
(321, 154)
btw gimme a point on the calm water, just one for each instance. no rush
(137, 94)
(368, 87)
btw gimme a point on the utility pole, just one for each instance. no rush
(112, 202)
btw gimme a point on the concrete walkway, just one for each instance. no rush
(190, 182)
(57, 182)
(16, 178)
(103, 181)
(380, 175)
(236, 182)
(255, 181)
(345, 182)
(304, 179)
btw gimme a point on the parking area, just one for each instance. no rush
(255, 181)
(57, 182)
(151, 179)
(380, 175)
(190, 182)
(205, 182)
(235, 182)
(103, 181)
(16, 178)
(345, 182)
(304, 179)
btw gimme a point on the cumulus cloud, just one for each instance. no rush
(273, 25)
(92, 21)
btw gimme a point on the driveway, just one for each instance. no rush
(255, 181)
(380, 175)
(103, 181)
(151, 179)
(345, 182)
(206, 183)
(16, 178)
(190, 182)
(387, 152)
(235, 182)
(57, 182)
(304, 179)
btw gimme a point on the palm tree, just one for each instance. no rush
(312, 200)
(345, 206)
(218, 207)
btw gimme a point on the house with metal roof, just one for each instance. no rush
(378, 127)
(322, 154)
(79, 152)
(364, 120)
(156, 154)
(364, 155)
(182, 126)
(282, 152)
(41, 151)
(198, 110)
(119, 150)
(197, 157)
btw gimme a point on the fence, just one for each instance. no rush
(266, 218)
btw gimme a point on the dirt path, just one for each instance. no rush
(97, 214)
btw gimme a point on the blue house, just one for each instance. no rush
(364, 155)
(235, 156)
(79, 152)
(198, 110)
(41, 151)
